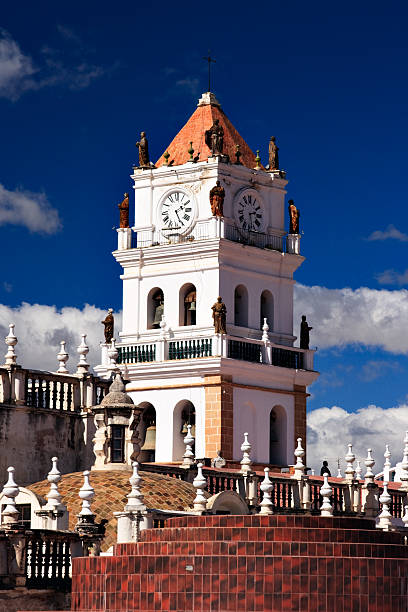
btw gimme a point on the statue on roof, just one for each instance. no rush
(214, 138)
(217, 195)
(273, 154)
(124, 211)
(304, 333)
(108, 322)
(143, 146)
(219, 316)
(294, 215)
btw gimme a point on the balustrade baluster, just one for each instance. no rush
(69, 397)
(61, 395)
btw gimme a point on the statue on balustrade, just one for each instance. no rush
(304, 333)
(218, 461)
(158, 311)
(273, 154)
(124, 211)
(217, 195)
(143, 146)
(214, 138)
(219, 316)
(294, 215)
(108, 322)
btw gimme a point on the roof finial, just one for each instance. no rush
(210, 61)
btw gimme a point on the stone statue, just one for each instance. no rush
(124, 211)
(109, 325)
(304, 333)
(100, 441)
(294, 215)
(158, 313)
(134, 435)
(214, 138)
(217, 195)
(142, 145)
(219, 316)
(218, 461)
(273, 154)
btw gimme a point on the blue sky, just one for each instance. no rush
(79, 81)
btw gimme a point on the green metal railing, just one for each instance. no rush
(187, 349)
(137, 354)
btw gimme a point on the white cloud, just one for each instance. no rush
(369, 427)
(191, 85)
(392, 277)
(19, 74)
(391, 232)
(40, 329)
(32, 210)
(372, 369)
(341, 317)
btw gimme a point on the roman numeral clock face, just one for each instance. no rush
(249, 212)
(176, 212)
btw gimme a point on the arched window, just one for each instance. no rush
(266, 309)
(241, 306)
(155, 308)
(277, 436)
(148, 434)
(184, 414)
(188, 305)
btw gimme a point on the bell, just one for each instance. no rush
(184, 429)
(158, 315)
(193, 430)
(192, 306)
(150, 439)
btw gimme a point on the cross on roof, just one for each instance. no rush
(210, 60)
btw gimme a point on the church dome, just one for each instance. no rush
(117, 396)
(111, 488)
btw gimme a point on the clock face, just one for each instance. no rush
(176, 211)
(249, 212)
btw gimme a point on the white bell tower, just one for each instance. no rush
(177, 259)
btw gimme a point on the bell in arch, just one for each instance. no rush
(150, 439)
(192, 306)
(159, 311)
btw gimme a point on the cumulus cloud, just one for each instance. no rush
(392, 277)
(32, 210)
(369, 427)
(360, 317)
(19, 73)
(391, 232)
(40, 329)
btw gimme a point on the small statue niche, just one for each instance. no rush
(219, 316)
(217, 195)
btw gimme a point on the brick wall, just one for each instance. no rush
(218, 416)
(300, 415)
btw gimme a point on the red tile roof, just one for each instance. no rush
(194, 131)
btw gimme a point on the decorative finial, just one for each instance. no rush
(369, 462)
(62, 358)
(188, 457)
(326, 491)
(246, 459)
(350, 458)
(11, 341)
(404, 465)
(83, 350)
(200, 483)
(190, 151)
(359, 470)
(113, 354)
(238, 155)
(387, 464)
(258, 160)
(265, 330)
(135, 497)
(266, 488)
(86, 493)
(385, 515)
(10, 513)
(166, 156)
(299, 454)
(54, 476)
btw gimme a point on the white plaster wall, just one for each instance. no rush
(164, 402)
(252, 410)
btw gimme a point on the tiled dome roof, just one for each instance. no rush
(194, 131)
(117, 397)
(111, 488)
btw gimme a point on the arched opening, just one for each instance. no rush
(277, 436)
(188, 305)
(266, 309)
(184, 414)
(155, 308)
(147, 430)
(241, 306)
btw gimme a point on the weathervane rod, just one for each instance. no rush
(209, 59)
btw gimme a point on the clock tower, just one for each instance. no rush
(189, 245)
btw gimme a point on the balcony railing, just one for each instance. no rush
(233, 347)
(48, 391)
